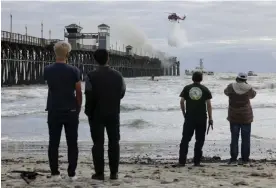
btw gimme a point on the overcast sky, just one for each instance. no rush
(229, 36)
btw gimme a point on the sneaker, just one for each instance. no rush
(246, 162)
(232, 162)
(114, 176)
(181, 165)
(73, 178)
(98, 176)
(197, 164)
(56, 178)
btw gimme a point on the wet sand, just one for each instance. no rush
(139, 171)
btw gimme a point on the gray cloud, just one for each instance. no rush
(215, 30)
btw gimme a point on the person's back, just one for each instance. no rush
(104, 89)
(107, 85)
(196, 95)
(63, 106)
(240, 110)
(61, 79)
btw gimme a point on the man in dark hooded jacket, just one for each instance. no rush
(240, 116)
(104, 89)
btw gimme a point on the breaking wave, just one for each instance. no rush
(265, 86)
(128, 108)
(136, 123)
(227, 78)
(12, 113)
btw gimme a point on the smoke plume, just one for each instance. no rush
(126, 33)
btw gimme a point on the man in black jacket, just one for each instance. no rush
(104, 89)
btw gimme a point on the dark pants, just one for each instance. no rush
(97, 127)
(56, 120)
(191, 125)
(245, 137)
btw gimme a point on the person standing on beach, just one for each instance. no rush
(195, 96)
(104, 89)
(63, 107)
(240, 116)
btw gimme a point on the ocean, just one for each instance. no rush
(150, 113)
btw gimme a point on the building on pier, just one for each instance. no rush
(24, 57)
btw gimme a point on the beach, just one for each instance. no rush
(151, 130)
(143, 165)
(140, 172)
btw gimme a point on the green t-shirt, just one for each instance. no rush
(196, 96)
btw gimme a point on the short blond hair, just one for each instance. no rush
(62, 48)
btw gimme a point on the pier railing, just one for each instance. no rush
(42, 42)
(24, 39)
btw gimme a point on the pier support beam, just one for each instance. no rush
(167, 71)
(178, 69)
(171, 70)
(174, 70)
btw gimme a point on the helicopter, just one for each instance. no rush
(175, 17)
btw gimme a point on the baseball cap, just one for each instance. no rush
(242, 76)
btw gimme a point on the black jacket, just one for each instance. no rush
(104, 89)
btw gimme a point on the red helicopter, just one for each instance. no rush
(175, 17)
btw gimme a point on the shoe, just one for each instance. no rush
(181, 164)
(182, 161)
(197, 164)
(232, 162)
(178, 165)
(98, 176)
(73, 178)
(55, 178)
(245, 162)
(114, 176)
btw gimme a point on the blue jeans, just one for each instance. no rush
(245, 137)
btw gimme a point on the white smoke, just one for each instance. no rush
(177, 36)
(126, 33)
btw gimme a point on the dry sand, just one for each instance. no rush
(141, 173)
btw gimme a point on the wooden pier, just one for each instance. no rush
(23, 59)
